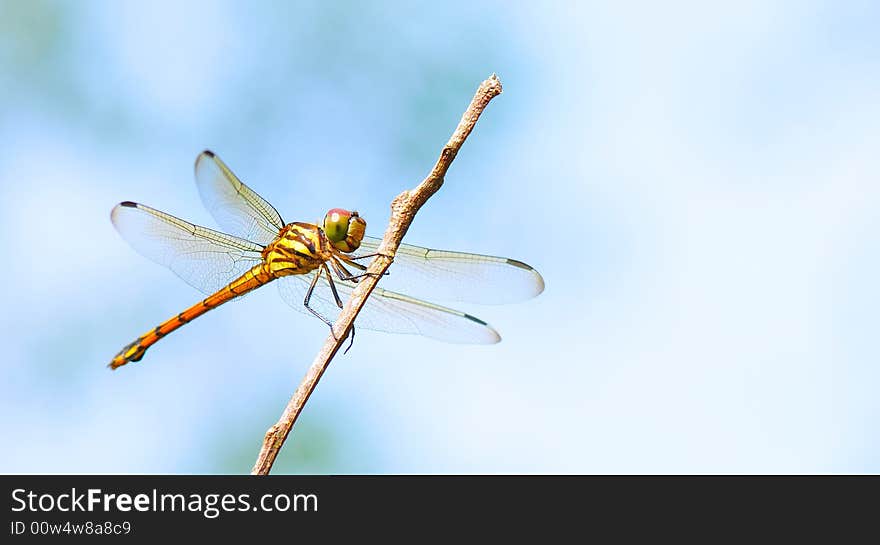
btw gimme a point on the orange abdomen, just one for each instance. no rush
(134, 351)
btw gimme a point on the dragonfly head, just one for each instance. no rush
(345, 229)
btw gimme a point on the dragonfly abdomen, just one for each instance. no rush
(252, 279)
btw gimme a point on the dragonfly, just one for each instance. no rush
(315, 265)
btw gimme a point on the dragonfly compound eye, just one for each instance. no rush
(336, 224)
(345, 229)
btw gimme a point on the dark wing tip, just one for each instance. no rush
(475, 319)
(519, 264)
(205, 154)
(538, 285)
(117, 211)
(493, 337)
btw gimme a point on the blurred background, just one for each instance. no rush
(698, 184)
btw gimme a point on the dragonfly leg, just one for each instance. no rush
(332, 285)
(357, 265)
(374, 254)
(317, 314)
(344, 273)
(353, 262)
(350, 343)
(309, 297)
(339, 304)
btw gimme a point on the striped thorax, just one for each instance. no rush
(300, 248)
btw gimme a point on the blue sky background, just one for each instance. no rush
(698, 184)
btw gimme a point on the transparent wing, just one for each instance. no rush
(389, 311)
(236, 207)
(205, 259)
(458, 276)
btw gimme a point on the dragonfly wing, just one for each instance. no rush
(458, 276)
(236, 207)
(389, 311)
(205, 259)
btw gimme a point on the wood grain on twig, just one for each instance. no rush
(403, 210)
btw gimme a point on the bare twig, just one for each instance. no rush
(403, 210)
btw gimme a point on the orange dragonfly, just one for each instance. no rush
(303, 258)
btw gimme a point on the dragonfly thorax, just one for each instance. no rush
(299, 248)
